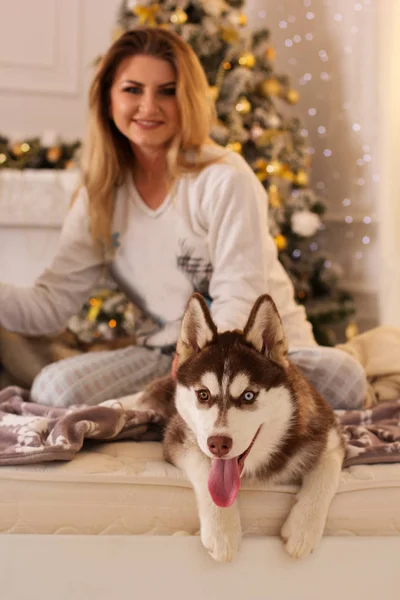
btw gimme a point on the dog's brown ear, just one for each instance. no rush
(264, 330)
(197, 328)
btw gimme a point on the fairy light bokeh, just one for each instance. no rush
(328, 48)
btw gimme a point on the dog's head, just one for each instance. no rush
(230, 386)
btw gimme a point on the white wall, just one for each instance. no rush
(46, 51)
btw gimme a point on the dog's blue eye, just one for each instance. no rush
(248, 396)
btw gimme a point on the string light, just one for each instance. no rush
(324, 138)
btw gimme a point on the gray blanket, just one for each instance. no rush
(33, 433)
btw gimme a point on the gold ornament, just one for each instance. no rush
(280, 242)
(53, 154)
(112, 323)
(351, 330)
(117, 32)
(235, 146)
(261, 163)
(292, 96)
(179, 17)
(243, 106)
(93, 312)
(262, 176)
(242, 20)
(25, 147)
(265, 138)
(3, 158)
(17, 149)
(274, 196)
(270, 53)
(270, 87)
(247, 60)
(147, 14)
(275, 167)
(301, 178)
(227, 65)
(229, 35)
(287, 173)
(214, 92)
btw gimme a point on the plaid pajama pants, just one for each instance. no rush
(97, 376)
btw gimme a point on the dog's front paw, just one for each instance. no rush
(222, 536)
(302, 531)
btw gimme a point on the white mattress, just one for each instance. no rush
(126, 488)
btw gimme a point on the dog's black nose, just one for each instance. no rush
(219, 445)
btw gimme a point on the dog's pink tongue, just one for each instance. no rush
(224, 481)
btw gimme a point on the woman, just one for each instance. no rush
(167, 212)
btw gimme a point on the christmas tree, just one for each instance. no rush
(250, 98)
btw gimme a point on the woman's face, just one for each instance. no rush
(143, 102)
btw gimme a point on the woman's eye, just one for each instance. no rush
(203, 395)
(133, 90)
(169, 91)
(248, 396)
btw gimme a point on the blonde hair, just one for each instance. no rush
(107, 155)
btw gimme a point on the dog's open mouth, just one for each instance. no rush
(224, 478)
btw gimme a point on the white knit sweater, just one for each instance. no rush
(209, 235)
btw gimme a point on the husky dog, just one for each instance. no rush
(242, 409)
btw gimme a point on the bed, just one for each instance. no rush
(118, 520)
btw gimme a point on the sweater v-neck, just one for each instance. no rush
(144, 207)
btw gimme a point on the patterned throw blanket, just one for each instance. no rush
(33, 433)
